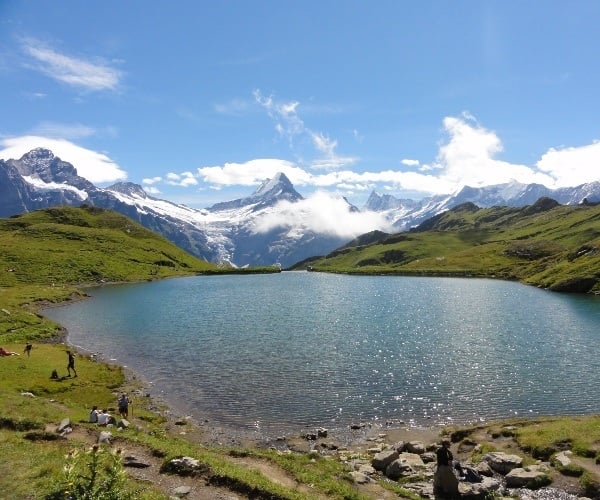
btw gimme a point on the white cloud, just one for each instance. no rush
(572, 166)
(151, 180)
(151, 190)
(184, 179)
(95, 167)
(252, 173)
(324, 214)
(70, 70)
(468, 158)
(287, 121)
(410, 163)
(329, 159)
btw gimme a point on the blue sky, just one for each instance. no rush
(200, 101)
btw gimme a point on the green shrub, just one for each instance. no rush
(96, 474)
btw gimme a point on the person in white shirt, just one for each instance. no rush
(94, 415)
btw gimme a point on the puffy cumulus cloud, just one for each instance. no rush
(572, 166)
(152, 180)
(468, 157)
(88, 75)
(95, 167)
(252, 173)
(323, 213)
(184, 179)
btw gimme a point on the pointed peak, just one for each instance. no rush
(279, 183)
(128, 188)
(38, 154)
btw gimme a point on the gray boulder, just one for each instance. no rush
(398, 469)
(485, 489)
(502, 463)
(417, 447)
(384, 458)
(528, 477)
(104, 437)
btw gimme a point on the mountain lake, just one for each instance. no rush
(274, 353)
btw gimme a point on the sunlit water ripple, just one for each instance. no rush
(293, 350)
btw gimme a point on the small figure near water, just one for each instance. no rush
(71, 363)
(123, 403)
(445, 483)
(4, 352)
(27, 349)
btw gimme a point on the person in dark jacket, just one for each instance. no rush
(445, 483)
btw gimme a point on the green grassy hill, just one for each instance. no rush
(46, 253)
(545, 244)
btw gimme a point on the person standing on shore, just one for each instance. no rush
(71, 363)
(445, 483)
(123, 403)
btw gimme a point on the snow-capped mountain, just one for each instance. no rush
(271, 226)
(223, 233)
(405, 214)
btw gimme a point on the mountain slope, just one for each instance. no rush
(86, 245)
(405, 214)
(545, 244)
(224, 233)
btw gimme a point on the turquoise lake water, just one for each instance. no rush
(297, 350)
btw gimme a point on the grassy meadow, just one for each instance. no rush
(546, 245)
(48, 256)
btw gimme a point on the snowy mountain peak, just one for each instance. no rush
(34, 161)
(277, 187)
(269, 193)
(128, 188)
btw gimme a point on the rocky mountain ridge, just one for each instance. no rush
(228, 232)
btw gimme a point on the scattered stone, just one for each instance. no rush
(358, 426)
(134, 462)
(428, 457)
(28, 394)
(64, 423)
(502, 462)
(398, 469)
(417, 447)
(310, 436)
(322, 433)
(533, 476)
(563, 459)
(360, 478)
(182, 491)
(399, 446)
(104, 437)
(184, 466)
(484, 469)
(123, 424)
(485, 489)
(384, 458)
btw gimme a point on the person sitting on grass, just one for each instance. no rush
(4, 352)
(94, 415)
(105, 418)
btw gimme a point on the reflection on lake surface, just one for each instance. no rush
(292, 350)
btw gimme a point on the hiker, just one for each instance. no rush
(123, 403)
(445, 483)
(71, 364)
(94, 415)
(4, 352)
(27, 349)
